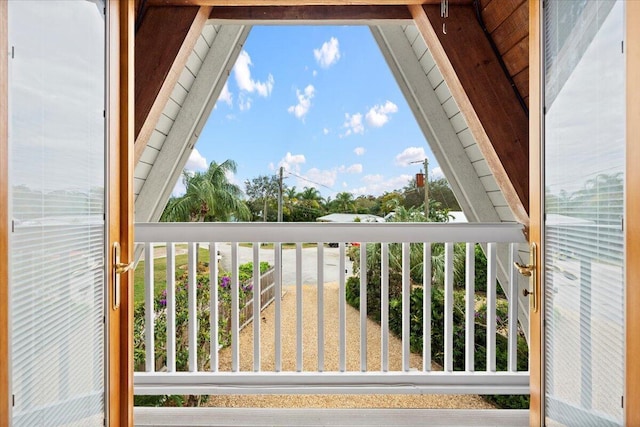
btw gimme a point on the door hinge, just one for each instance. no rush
(622, 401)
(13, 400)
(622, 46)
(13, 52)
(13, 226)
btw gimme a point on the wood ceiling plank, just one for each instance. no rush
(310, 13)
(522, 82)
(497, 11)
(164, 42)
(297, 2)
(513, 29)
(484, 94)
(517, 58)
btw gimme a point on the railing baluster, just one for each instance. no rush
(149, 312)
(384, 307)
(299, 343)
(193, 311)
(513, 309)
(171, 307)
(320, 291)
(491, 307)
(278, 305)
(470, 309)
(426, 307)
(406, 304)
(257, 306)
(363, 306)
(448, 307)
(235, 312)
(342, 308)
(213, 305)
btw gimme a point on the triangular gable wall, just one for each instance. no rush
(418, 77)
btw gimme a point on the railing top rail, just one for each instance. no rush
(295, 232)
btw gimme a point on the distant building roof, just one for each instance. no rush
(341, 217)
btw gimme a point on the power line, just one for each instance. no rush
(308, 180)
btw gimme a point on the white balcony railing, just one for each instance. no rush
(166, 379)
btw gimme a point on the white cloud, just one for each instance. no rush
(226, 96)
(244, 101)
(271, 166)
(324, 177)
(409, 155)
(292, 162)
(242, 73)
(359, 151)
(304, 102)
(354, 168)
(378, 115)
(314, 72)
(378, 184)
(325, 131)
(196, 161)
(328, 54)
(353, 124)
(436, 173)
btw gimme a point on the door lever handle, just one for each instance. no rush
(529, 271)
(525, 270)
(122, 267)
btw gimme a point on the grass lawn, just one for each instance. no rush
(160, 273)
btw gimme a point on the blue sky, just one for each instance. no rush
(320, 101)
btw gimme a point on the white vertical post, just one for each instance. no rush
(278, 305)
(213, 306)
(406, 304)
(363, 306)
(513, 309)
(193, 311)
(171, 307)
(257, 305)
(342, 307)
(384, 307)
(320, 290)
(470, 309)
(299, 342)
(149, 311)
(448, 307)
(235, 312)
(491, 307)
(426, 307)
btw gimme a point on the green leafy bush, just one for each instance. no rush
(437, 331)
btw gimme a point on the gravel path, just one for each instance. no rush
(331, 358)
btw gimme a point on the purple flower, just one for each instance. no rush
(248, 287)
(225, 281)
(163, 302)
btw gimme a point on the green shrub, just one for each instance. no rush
(437, 331)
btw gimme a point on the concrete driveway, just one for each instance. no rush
(309, 263)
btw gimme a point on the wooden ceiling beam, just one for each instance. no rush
(163, 44)
(277, 14)
(484, 95)
(254, 3)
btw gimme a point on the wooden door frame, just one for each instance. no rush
(631, 224)
(5, 408)
(535, 209)
(632, 207)
(120, 115)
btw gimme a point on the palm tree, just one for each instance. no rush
(344, 202)
(209, 196)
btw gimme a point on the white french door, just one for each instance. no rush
(583, 240)
(57, 209)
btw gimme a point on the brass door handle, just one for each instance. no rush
(118, 269)
(529, 270)
(122, 267)
(525, 270)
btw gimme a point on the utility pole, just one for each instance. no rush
(426, 189)
(280, 195)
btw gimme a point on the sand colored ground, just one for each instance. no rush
(331, 358)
